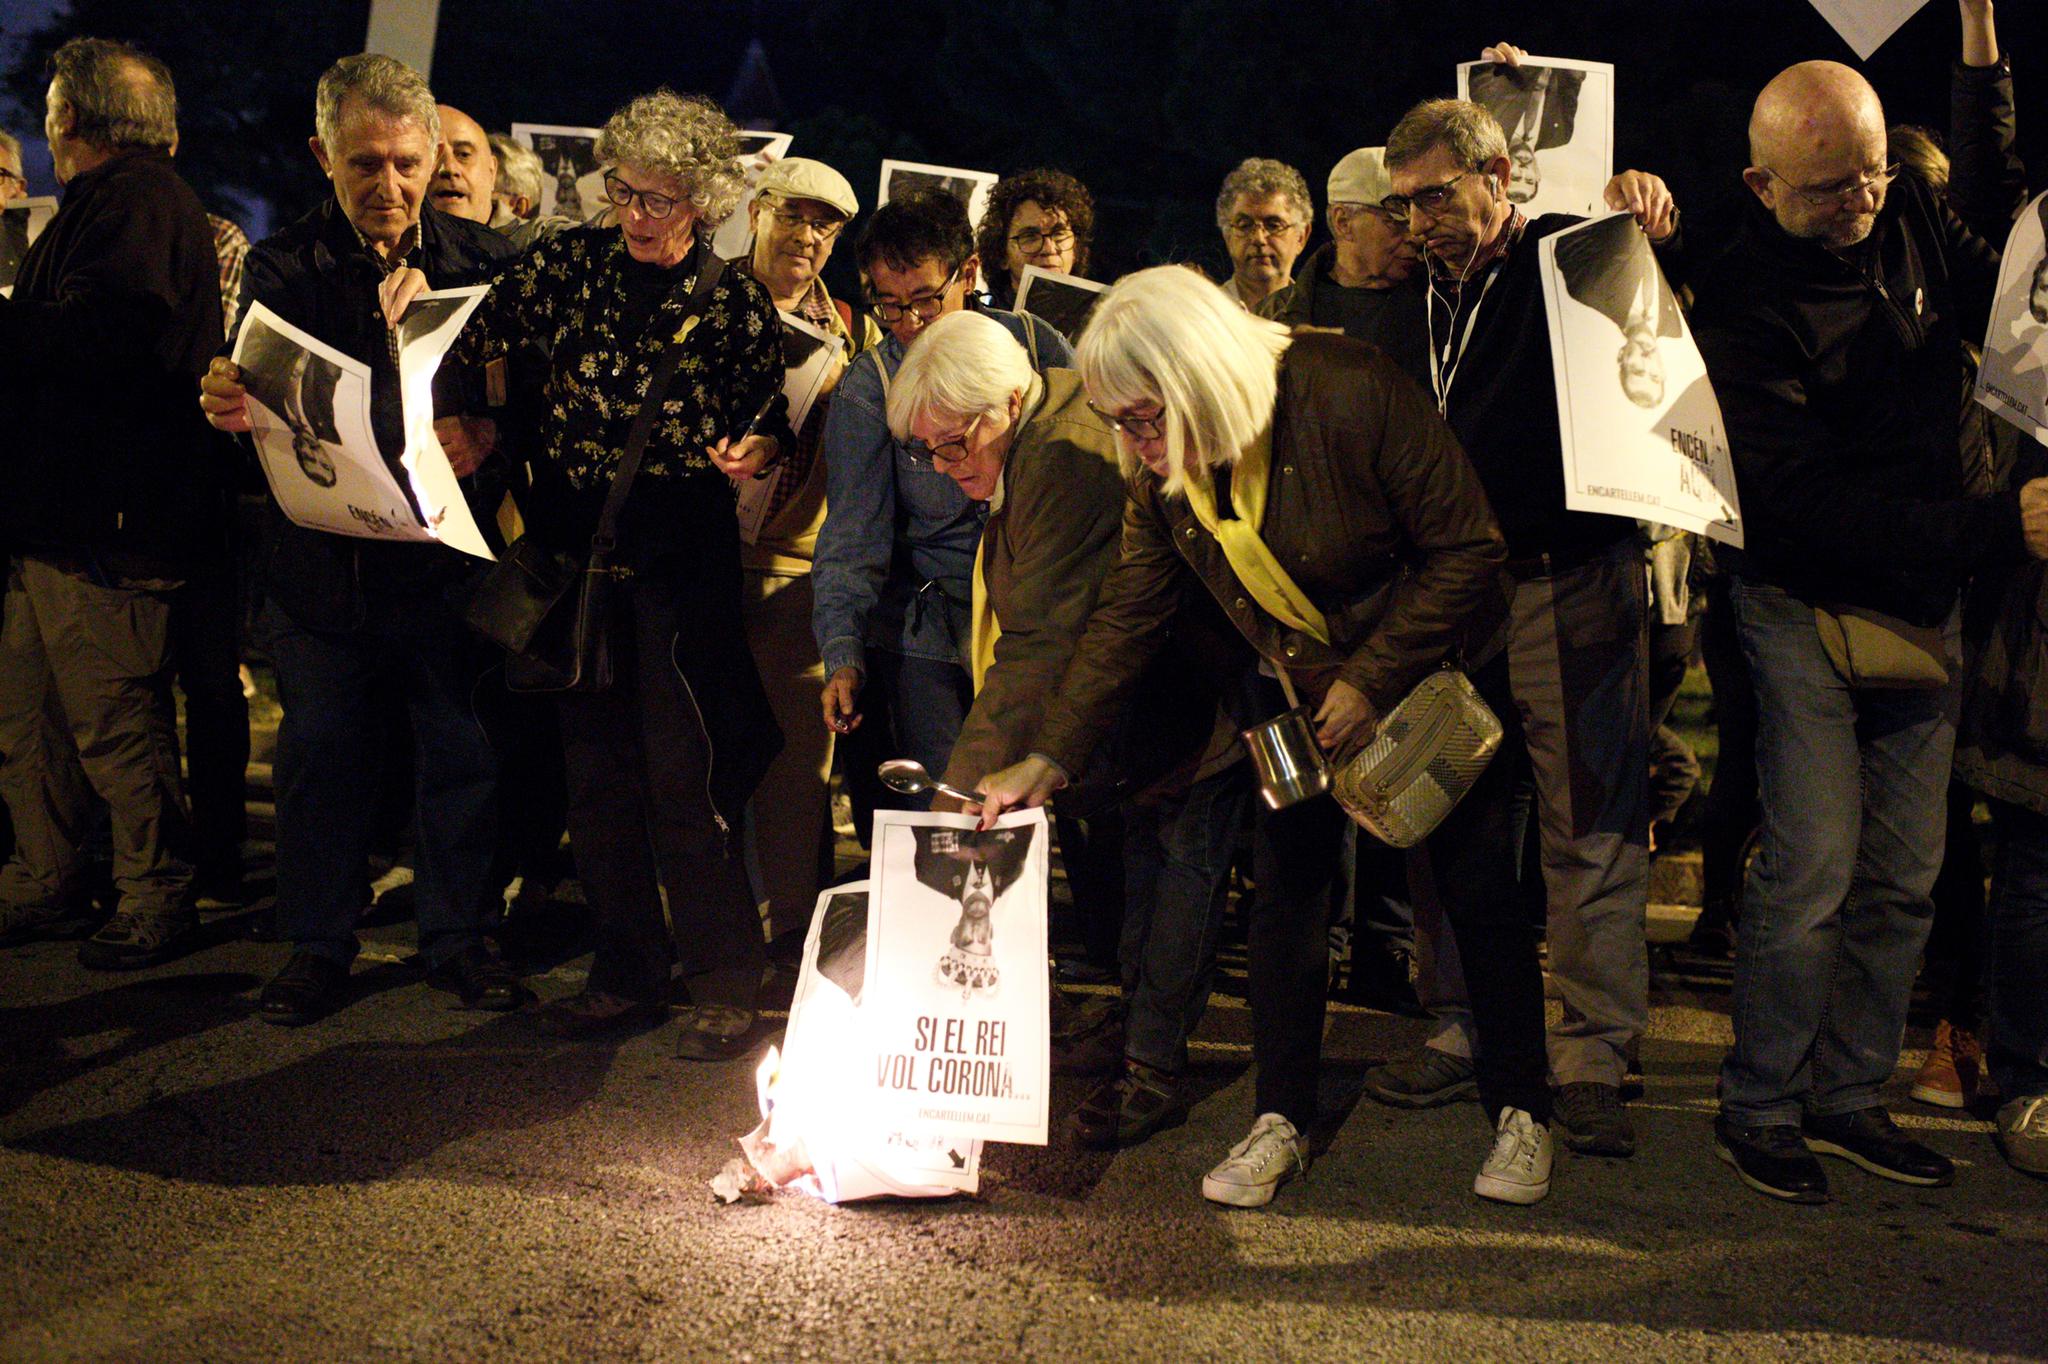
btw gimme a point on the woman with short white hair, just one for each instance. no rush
(1308, 485)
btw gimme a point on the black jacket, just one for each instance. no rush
(1839, 382)
(317, 275)
(116, 312)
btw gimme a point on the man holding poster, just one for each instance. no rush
(1832, 328)
(343, 612)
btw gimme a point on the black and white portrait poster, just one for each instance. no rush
(309, 415)
(1063, 300)
(2013, 380)
(954, 1001)
(1559, 118)
(970, 187)
(571, 180)
(758, 150)
(1640, 425)
(811, 360)
(823, 1084)
(21, 222)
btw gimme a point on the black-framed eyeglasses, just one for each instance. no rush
(622, 194)
(926, 306)
(1031, 238)
(824, 229)
(1839, 196)
(6, 174)
(1138, 428)
(1248, 227)
(950, 451)
(1431, 199)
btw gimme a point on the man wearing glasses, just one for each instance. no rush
(13, 184)
(1264, 212)
(1577, 656)
(1831, 330)
(894, 560)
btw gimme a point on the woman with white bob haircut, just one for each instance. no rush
(1310, 487)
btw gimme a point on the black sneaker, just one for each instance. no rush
(1593, 1121)
(1130, 1108)
(1772, 1160)
(132, 940)
(1868, 1137)
(1424, 1078)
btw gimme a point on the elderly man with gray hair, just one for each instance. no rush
(109, 495)
(13, 182)
(1264, 213)
(343, 614)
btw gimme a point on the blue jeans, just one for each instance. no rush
(1176, 883)
(327, 778)
(1839, 901)
(2018, 1041)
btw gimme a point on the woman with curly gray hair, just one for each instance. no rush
(662, 763)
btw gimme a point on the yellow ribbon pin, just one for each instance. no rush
(683, 332)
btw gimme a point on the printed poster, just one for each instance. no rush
(21, 222)
(956, 1008)
(970, 187)
(811, 359)
(1559, 118)
(309, 411)
(1063, 300)
(2013, 380)
(1865, 24)
(571, 180)
(1640, 425)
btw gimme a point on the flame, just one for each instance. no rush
(764, 1080)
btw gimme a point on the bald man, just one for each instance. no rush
(466, 169)
(1831, 331)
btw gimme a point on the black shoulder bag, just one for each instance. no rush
(544, 608)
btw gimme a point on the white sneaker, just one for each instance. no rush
(1256, 1166)
(1518, 1171)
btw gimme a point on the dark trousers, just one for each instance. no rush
(206, 655)
(911, 708)
(2018, 1032)
(328, 761)
(641, 818)
(1957, 944)
(1092, 851)
(1295, 859)
(1732, 812)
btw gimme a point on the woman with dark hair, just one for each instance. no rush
(1044, 218)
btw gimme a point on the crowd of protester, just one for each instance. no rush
(1039, 566)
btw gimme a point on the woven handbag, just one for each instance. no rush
(1427, 754)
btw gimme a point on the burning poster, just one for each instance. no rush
(2013, 380)
(1559, 118)
(1641, 428)
(310, 417)
(813, 1092)
(956, 1009)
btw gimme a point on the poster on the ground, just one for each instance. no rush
(21, 222)
(2013, 380)
(309, 413)
(811, 358)
(1558, 115)
(758, 150)
(1866, 24)
(956, 1008)
(1063, 300)
(571, 180)
(970, 187)
(1641, 428)
(821, 1083)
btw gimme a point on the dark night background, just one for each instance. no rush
(1148, 103)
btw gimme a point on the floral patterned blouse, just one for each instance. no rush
(568, 296)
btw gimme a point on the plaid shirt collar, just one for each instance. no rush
(407, 244)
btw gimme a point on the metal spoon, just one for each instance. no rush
(907, 777)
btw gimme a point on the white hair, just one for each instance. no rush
(383, 84)
(961, 366)
(1169, 336)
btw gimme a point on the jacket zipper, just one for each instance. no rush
(710, 748)
(1422, 742)
(1909, 330)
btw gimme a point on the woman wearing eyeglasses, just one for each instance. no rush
(661, 765)
(1044, 218)
(1308, 486)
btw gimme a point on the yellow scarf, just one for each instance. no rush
(1250, 561)
(981, 645)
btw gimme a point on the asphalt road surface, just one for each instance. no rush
(179, 1181)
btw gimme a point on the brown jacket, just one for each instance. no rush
(1372, 508)
(1043, 556)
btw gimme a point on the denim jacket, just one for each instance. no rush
(896, 553)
